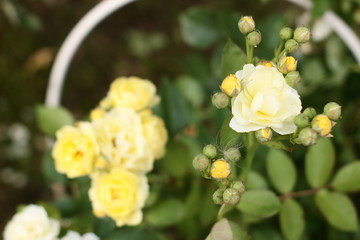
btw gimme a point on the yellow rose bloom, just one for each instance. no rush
(75, 150)
(122, 141)
(287, 64)
(155, 133)
(322, 124)
(119, 194)
(265, 101)
(132, 92)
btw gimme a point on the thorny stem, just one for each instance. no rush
(251, 146)
(301, 193)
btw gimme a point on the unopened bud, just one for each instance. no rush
(266, 63)
(96, 114)
(301, 120)
(292, 78)
(310, 112)
(231, 196)
(231, 85)
(218, 196)
(286, 33)
(238, 185)
(287, 64)
(291, 46)
(246, 24)
(302, 34)
(210, 151)
(263, 135)
(308, 136)
(322, 124)
(332, 110)
(220, 169)
(201, 162)
(254, 38)
(232, 154)
(220, 100)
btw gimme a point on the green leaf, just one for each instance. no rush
(103, 227)
(49, 171)
(133, 233)
(256, 181)
(292, 221)
(319, 162)
(198, 27)
(281, 170)
(226, 230)
(50, 119)
(167, 213)
(228, 137)
(191, 89)
(174, 108)
(177, 154)
(233, 59)
(347, 179)
(261, 203)
(320, 7)
(338, 210)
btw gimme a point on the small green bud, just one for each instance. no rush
(218, 196)
(286, 33)
(238, 185)
(292, 78)
(310, 112)
(308, 136)
(287, 64)
(231, 196)
(201, 162)
(291, 46)
(254, 38)
(210, 151)
(302, 34)
(332, 110)
(232, 154)
(246, 24)
(263, 135)
(220, 100)
(301, 120)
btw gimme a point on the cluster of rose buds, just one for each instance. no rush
(312, 125)
(216, 166)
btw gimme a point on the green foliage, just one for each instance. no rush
(49, 170)
(199, 28)
(228, 137)
(260, 203)
(338, 210)
(174, 108)
(175, 159)
(227, 230)
(292, 221)
(166, 213)
(347, 179)
(233, 59)
(281, 170)
(133, 233)
(256, 181)
(103, 227)
(319, 162)
(50, 119)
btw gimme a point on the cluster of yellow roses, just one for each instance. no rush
(117, 148)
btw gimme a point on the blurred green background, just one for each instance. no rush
(156, 39)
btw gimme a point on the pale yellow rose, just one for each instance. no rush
(132, 92)
(32, 223)
(120, 194)
(155, 133)
(75, 150)
(265, 101)
(122, 141)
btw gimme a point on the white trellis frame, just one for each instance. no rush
(107, 7)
